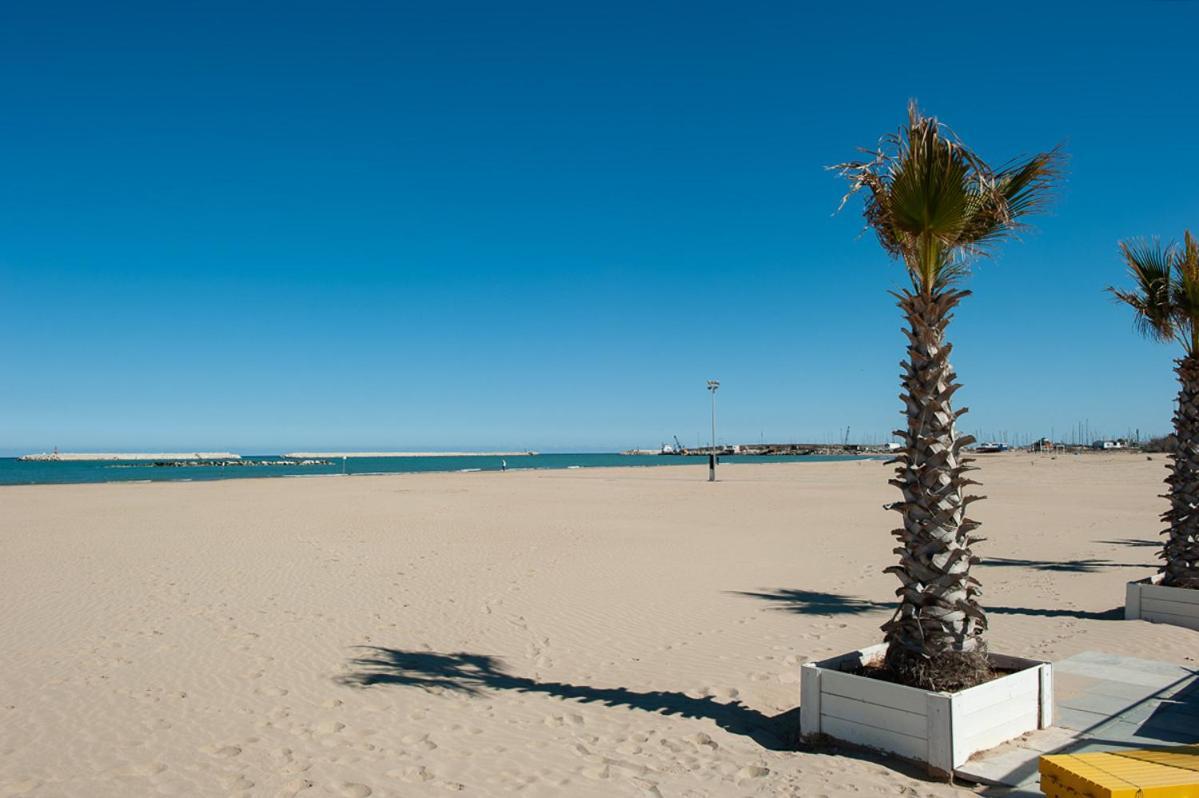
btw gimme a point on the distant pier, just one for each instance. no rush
(764, 449)
(326, 455)
(86, 456)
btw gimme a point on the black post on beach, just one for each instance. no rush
(712, 386)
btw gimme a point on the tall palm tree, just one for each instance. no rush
(938, 207)
(1166, 303)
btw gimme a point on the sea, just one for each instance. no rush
(35, 472)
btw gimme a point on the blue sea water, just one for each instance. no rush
(21, 472)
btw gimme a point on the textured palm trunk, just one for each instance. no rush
(1181, 551)
(935, 639)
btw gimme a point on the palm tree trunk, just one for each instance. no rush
(1181, 552)
(935, 639)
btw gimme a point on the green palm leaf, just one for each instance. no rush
(1151, 267)
(936, 205)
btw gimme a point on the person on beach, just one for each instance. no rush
(503, 464)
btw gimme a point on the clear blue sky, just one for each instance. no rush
(266, 226)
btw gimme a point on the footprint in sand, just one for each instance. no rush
(295, 787)
(224, 751)
(240, 782)
(648, 787)
(420, 742)
(414, 775)
(352, 789)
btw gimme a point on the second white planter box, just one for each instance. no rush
(941, 729)
(1149, 600)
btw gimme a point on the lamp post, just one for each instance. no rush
(713, 385)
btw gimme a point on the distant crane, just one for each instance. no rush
(678, 447)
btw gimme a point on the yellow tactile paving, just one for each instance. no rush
(1148, 773)
(1185, 756)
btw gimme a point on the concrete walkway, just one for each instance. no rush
(1103, 702)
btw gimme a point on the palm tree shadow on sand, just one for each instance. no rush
(814, 602)
(477, 674)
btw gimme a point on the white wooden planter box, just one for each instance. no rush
(941, 729)
(1148, 599)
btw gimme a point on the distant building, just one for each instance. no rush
(1118, 443)
(1043, 445)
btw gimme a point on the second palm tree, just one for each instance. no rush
(1166, 303)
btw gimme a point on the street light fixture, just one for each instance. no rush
(713, 385)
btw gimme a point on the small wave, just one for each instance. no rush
(468, 470)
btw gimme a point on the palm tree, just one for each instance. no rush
(938, 207)
(1166, 303)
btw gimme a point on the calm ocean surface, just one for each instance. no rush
(17, 472)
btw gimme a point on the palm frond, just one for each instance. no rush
(1151, 267)
(1185, 291)
(936, 205)
(1018, 190)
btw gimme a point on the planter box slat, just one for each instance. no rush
(1181, 595)
(1007, 662)
(874, 691)
(1153, 604)
(993, 735)
(1175, 619)
(986, 696)
(1149, 600)
(847, 709)
(1014, 705)
(902, 744)
(940, 729)
(854, 659)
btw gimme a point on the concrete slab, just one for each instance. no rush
(1077, 719)
(1126, 675)
(1101, 704)
(1010, 767)
(1132, 663)
(1128, 692)
(1013, 792)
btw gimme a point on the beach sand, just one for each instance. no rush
(632, 631)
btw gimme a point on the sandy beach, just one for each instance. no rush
(627, 631)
